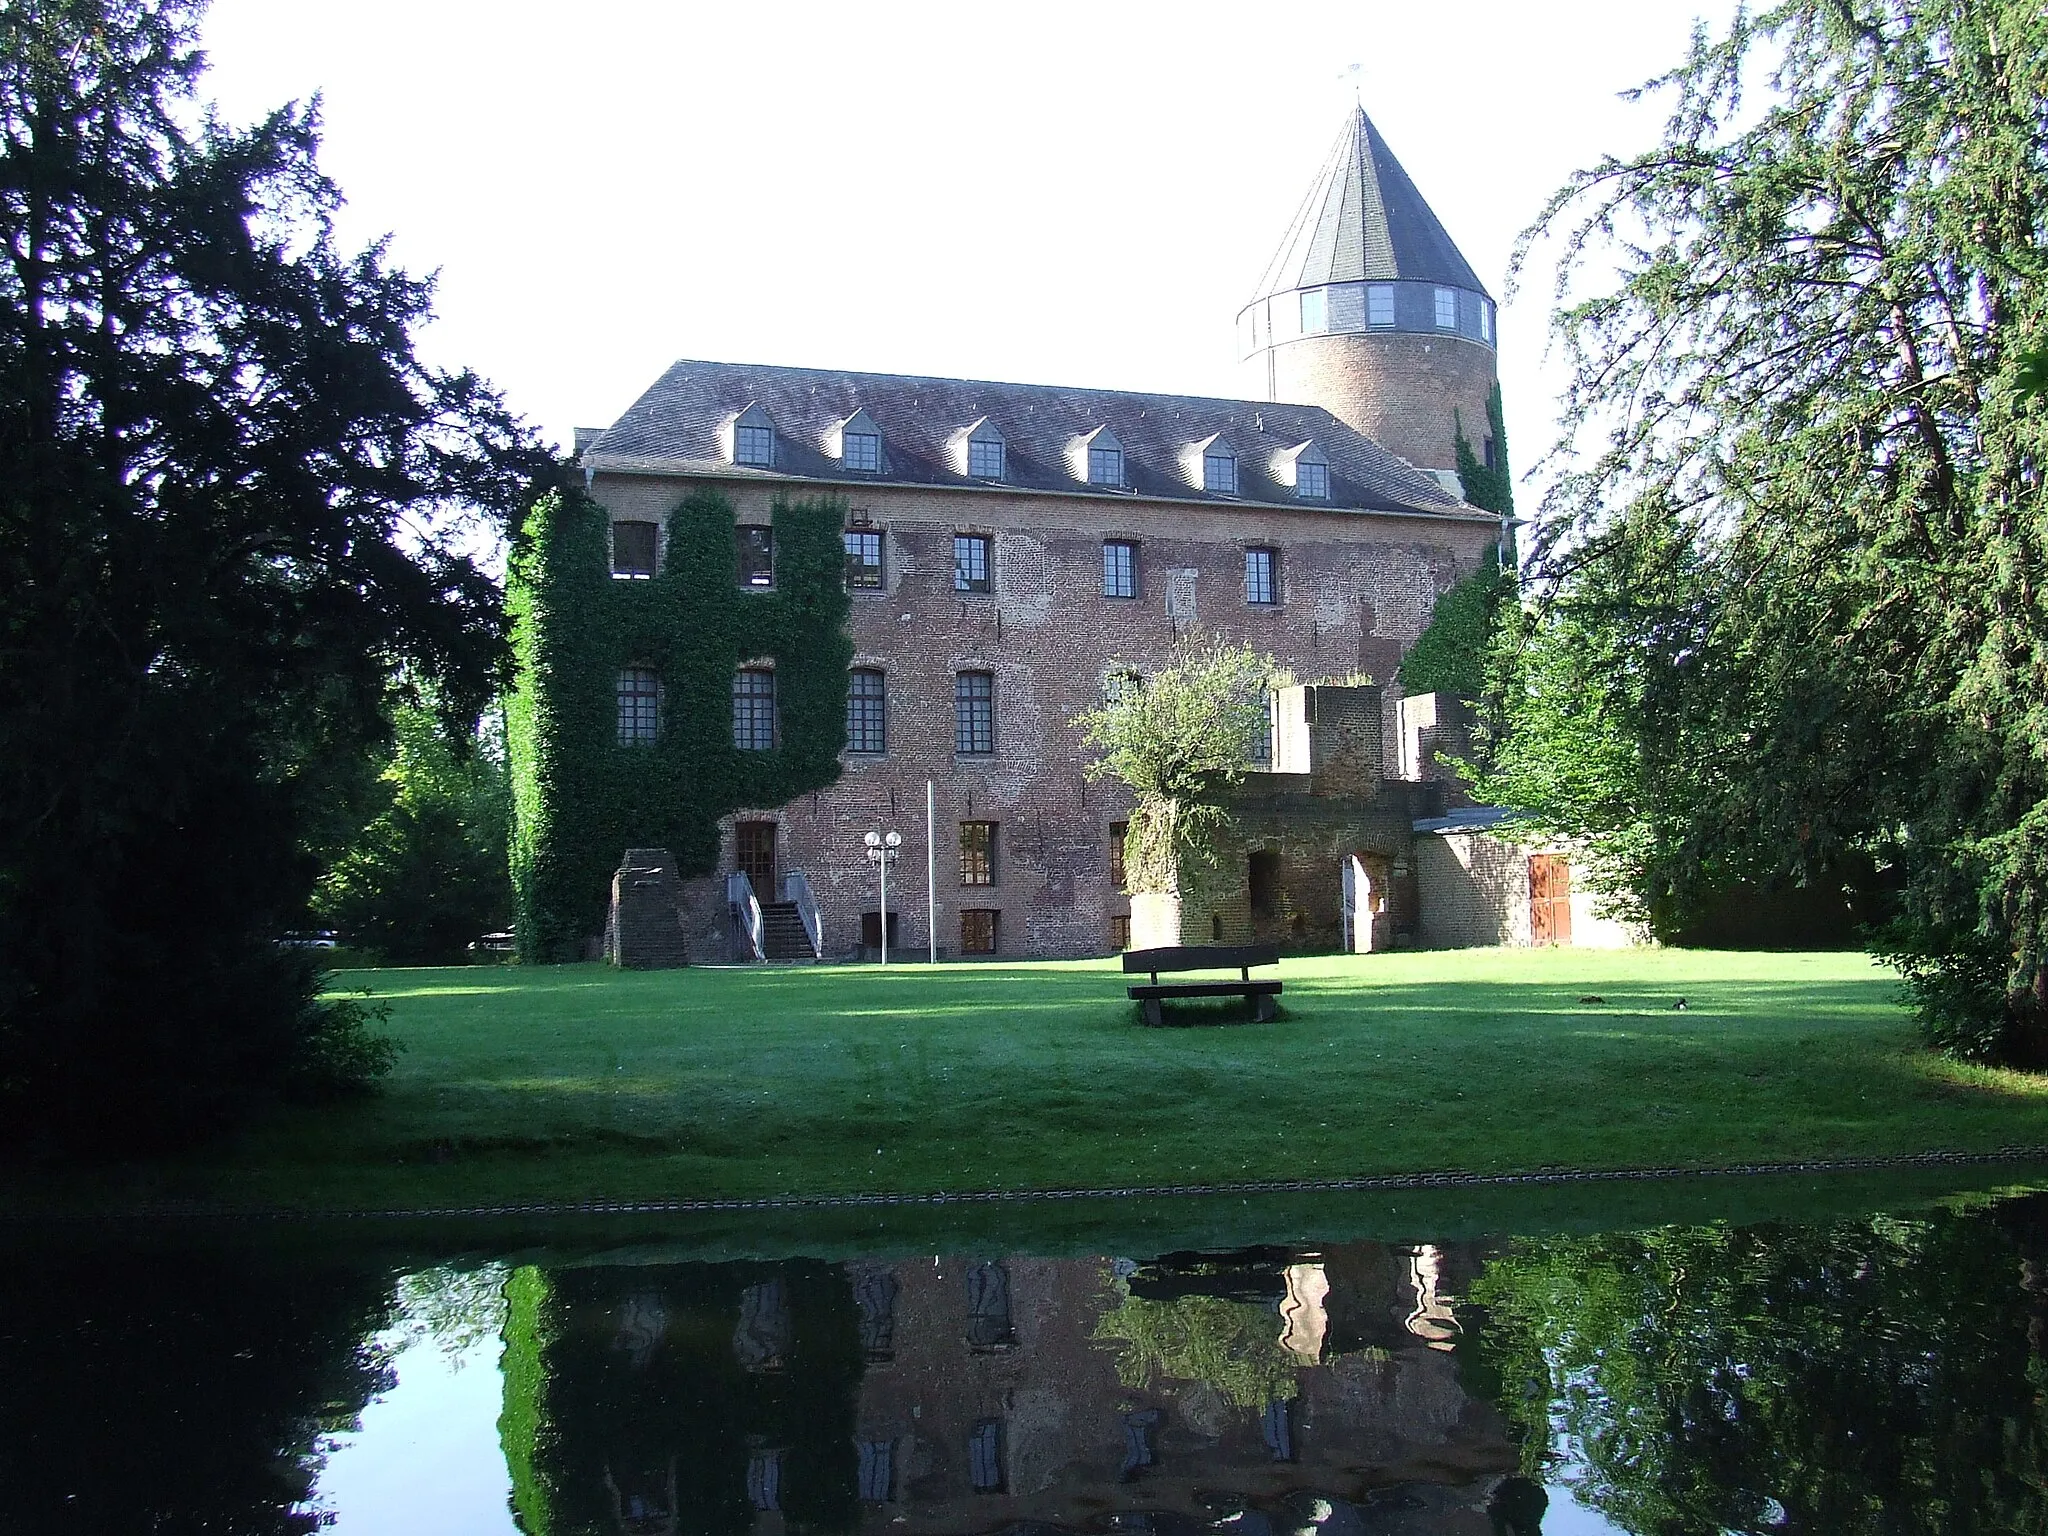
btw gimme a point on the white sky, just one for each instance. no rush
(1053, 193)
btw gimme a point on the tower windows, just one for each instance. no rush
(639, 707)
(1315, 311)
(1219, 472)
(1447, 309)
(753, 709)
(867, 712)
(633, 550)
(1485, 322)
(970, 562)
(1311, 480)
(974, 714)
(1379, 306)
(1119, 568)
(1262, 577)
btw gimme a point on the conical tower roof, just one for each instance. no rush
(1364, 220)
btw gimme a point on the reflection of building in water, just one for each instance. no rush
(947, 1396)
(1351, 1395)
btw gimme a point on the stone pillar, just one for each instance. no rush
(644, 930)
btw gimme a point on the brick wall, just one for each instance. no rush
(1398, 389)
(1474, 890)
(1352, 585)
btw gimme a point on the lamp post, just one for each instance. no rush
(882, 848)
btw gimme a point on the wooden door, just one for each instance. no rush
(1550, 899)
(754, 856)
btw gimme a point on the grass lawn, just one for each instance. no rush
(580, 1082)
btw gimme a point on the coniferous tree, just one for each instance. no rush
(226, 491)
(1813, 372)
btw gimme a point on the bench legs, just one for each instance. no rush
(1265, 1007)
(1153, 1015)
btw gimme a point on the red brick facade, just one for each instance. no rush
(1354, 588)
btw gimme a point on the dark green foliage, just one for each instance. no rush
(1491, 489)
(1877, 1376)
(1809, 447)
(224, 480)
(1450, 654)
(428, 873)
(342, 1054)
(219, 1368)
(579, 798)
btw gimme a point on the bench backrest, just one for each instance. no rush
(1200, 957)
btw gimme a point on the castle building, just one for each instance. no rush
(1013, 552)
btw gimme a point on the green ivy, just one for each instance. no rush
(579, 799)
(1491, 489)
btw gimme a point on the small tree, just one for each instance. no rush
(1450, 655)
(1180, 739)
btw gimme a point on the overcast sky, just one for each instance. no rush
(1055, 193)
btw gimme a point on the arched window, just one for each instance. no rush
(639, 707)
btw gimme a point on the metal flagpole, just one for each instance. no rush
(885, 905)
(931, 894)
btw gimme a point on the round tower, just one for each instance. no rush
(1369, 311)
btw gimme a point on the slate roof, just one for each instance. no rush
(1365, 221)
(679, 427)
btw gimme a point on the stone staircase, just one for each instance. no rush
(782, 932)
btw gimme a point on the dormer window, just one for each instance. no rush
(1104, 462)
(1219, 471)
(860, 444)
(753, 438)
(985, 455)
(1306, 469)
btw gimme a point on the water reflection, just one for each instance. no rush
(1886, 1374)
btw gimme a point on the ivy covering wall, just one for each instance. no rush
(579, 798)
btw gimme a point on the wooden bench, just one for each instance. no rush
(1260, 994)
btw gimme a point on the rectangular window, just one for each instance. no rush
(977, 853)
(1219, 473)
(863, 560)
(978, 931)
(633, 550)
(1315, 312)
(867, 712)
(974, 713)
(1447, 309)
(1119, 568)
(985, 1443)
(1379, 305)
(756, 546)
(1117, 833)
(1260, 748)
(1105, 466)
(861, 450)
(1261, 573)
(1312, 481)
(985, 460)
(753, 445)
(639, 707)
(1487, 452)
(970, 562)
(1120, 931)
(753, 709)
(1485, 321)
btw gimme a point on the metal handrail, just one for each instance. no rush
(796, 887)
(746, 916)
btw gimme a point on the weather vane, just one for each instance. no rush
(1354, 74)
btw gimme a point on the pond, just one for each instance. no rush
(1882, 1369)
